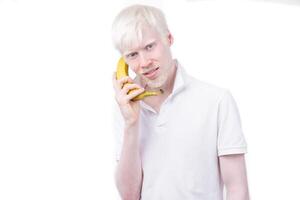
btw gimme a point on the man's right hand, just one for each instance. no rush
(129, 109)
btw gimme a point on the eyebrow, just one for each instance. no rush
(149, 43)
(135, 50)
(127, 54)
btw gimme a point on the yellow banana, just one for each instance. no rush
(122, 70)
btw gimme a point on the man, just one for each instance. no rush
(184, 144)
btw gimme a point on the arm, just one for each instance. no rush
(128, 173)
(233, 172)
(129, 169)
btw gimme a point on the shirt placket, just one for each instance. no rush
(162, 117)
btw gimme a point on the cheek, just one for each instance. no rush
(134, 68)
(161, 54)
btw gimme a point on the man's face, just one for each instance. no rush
(151, 59)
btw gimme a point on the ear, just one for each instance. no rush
(170, 39)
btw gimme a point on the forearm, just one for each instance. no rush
(237, 194)
(129, 169)
(234, 176)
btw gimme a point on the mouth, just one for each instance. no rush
(150, 74)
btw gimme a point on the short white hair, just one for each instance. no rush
(129, 23)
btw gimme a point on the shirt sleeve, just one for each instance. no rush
(118, 128)
(231, 139)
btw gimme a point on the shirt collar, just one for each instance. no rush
(179, 84)
(180, 79)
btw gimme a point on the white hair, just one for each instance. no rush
(129, 23)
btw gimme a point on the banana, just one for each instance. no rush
(122, 70)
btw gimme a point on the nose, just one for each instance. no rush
(144, 60)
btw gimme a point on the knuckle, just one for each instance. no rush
(128, 86)
(119, 81)
(125, 78)
(122, 81)
(125, 86)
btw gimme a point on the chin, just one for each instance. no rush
(157, 83)
(154, 85)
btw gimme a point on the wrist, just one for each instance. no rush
(131, 124)
(132, 127)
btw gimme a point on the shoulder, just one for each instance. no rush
(205, 89)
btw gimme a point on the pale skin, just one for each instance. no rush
(234, 176)
(154, 50)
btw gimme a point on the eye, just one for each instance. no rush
(132, 55)
(150, 46)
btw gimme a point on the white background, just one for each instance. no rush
(56, 63)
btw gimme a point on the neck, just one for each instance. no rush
(167, 88)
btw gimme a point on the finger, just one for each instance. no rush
(125, 79)
(134, 93)
(118, 83)
(128, 87)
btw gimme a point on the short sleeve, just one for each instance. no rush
(118, 128)
(231, 139)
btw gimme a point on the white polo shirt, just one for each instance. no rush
(180, 145)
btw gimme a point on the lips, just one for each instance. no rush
(151, 74)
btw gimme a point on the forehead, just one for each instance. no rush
(147, 35)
